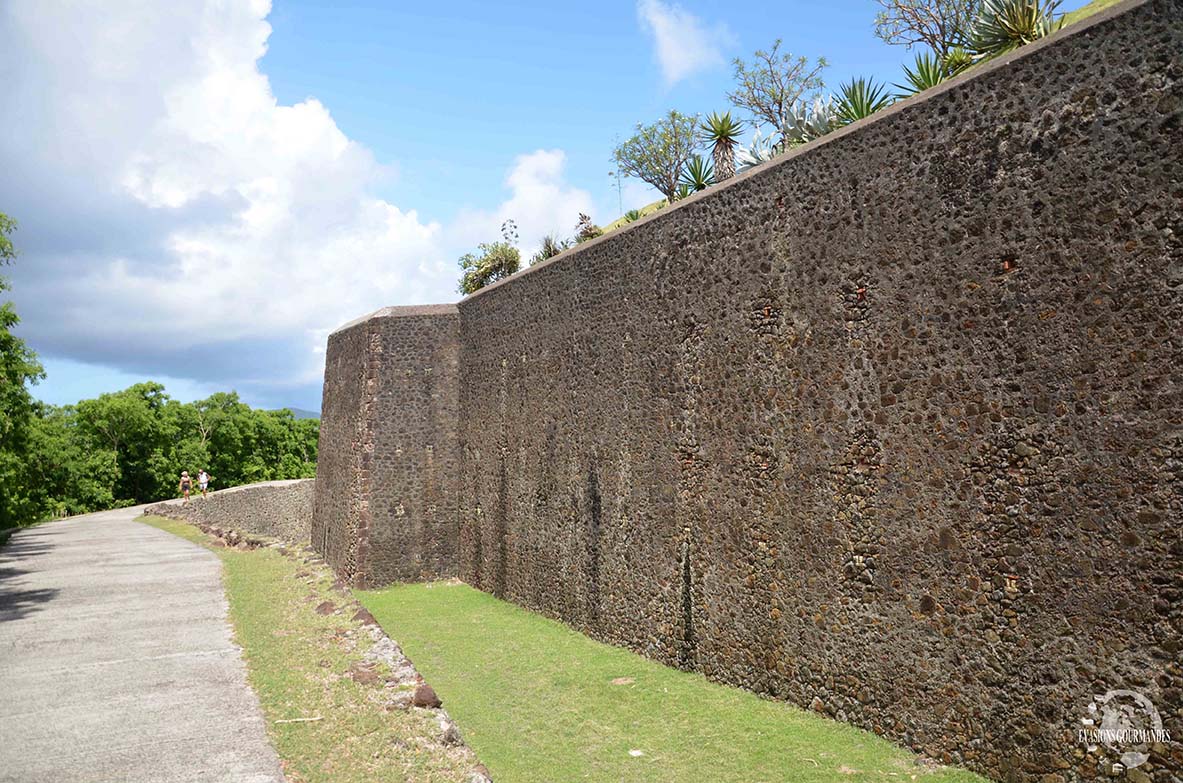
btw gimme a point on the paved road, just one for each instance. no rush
(116, 662)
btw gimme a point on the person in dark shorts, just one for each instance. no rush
(185, 484)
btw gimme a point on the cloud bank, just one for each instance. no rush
(175, 218)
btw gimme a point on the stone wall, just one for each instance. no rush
(279, 509)
(386, 501)
(891, 428)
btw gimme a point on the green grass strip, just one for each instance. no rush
(297, 662)
(538, 701)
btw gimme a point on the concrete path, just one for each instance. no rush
(116, 662)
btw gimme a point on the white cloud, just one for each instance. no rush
(176, 219)
(685, 44)
(540, 203)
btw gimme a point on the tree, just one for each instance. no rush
(772, 84)
(941, 25)
(658, 153)
(495, 261)
(18, 369)
(722, 133)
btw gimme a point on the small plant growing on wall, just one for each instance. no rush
(494, 260)
(585, 229)
(551, 247)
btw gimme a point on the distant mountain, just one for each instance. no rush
(300, 413)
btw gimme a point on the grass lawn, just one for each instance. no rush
(538, 701)
(1088, 10)
(298, 661)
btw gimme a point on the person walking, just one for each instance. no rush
(185, 485)
(203, 482)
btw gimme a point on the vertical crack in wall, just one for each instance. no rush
(688, 642)
(500, 527)
(691, 485)
(594, 518)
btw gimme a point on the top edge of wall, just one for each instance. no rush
(1079, 28)
(399, 311)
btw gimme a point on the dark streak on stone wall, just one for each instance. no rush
(891, 428)
(385, 507)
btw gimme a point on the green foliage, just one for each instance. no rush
(1004, 25)
(130, 446)
(770, 85)
(632, 216)
(860, 98)
(494, 261)
(585, 229)
(551, 247)
(931, 69)
(18, 411)
(940, 25)
(698, 175)
(722, 133)
(7, 227)
(721, 129)
(657, 153)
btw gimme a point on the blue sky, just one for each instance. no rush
(205, 189)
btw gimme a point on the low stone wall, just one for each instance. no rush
(279, 509)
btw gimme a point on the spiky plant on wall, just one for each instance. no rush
(930, 69)
(698, 174)
(722, 133)
(551, 247)
(805, 122)
(860, 98)
(1004, 25)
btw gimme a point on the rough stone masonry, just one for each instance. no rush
(891, 427)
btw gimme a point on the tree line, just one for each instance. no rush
(126, 447)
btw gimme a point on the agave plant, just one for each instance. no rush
(1003, 25)
(958, 60)
(928, 71)
(722, 133)
(698, 174)
(760, 151)
(804, 123)
(860, 98)
(632, 216)
(931, 69)
(683, 191)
